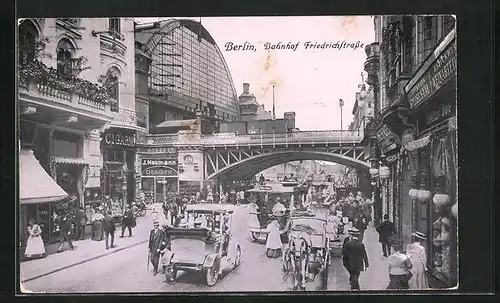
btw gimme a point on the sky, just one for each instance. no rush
(309, 82)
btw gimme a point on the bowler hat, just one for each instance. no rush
(386, 217)
(419, 235)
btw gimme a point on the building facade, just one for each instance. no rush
(412, 138)
(76, 94)
(185, 88)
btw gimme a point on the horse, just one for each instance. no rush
(296, 258)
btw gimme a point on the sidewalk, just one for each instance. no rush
(84, 251)
(376, 277)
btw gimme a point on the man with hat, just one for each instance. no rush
(354, 258)
(386, 231)
(156, 238)
(418, 257)
(128, 221)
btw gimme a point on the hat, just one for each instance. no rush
(419, 235)
(354, 231)
(156, 223)
(386, 217)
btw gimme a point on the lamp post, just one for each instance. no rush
(341, 105)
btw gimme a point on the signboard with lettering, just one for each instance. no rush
(387, 139)
(119, 138)
(435, 115)
(157, 171)
(146, 163)
(442, 70)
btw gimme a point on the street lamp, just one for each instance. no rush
(341, 104)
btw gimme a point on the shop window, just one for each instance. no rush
(113, 155)
(65, 52)
(67, 145)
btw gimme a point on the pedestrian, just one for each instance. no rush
(156, 238)
(108, 226)
(174, 212)
(127, 221)
(97, 219)
(386, 231)
(354, 258)
(81, 223)
(34, 246)
(65, 230)
(262, 179)
(273, 242)
(361, 224)
(418, 257)
(399, 267)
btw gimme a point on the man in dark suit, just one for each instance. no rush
(156, 239)
(65, 230)
(128, 221)
(386, 231)
(354, 258)
(360, 223)
(108, 225)
(81, 222)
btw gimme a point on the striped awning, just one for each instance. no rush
(63, 160)
(419, 143)
(35, 184)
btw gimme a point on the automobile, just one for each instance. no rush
(206, 244)
(308, 251)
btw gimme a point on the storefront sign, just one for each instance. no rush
(387, 139)
(159, 171)
(119, 138)
(146, 163)
(436, 115)
(442, 70)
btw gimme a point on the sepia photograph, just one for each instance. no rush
(237, 154)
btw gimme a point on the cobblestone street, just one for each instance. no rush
(126, 270)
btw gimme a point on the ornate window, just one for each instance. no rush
(28, 36)
(113, 75)
(115, 27)
(429, 34)
(65, 52)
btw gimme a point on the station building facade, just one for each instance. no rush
(183, 85)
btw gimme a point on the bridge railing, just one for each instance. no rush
(306, 137)
(303, 137)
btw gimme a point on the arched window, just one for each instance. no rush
(28, 36)
(113, 76)
(65, 51)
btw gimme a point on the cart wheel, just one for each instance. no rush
(171, 275)
(212, 274)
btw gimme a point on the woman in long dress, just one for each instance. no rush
(416, 253)
(399, 267)
(97, 219)
(34, 247)
(273, 243)
(253, 219)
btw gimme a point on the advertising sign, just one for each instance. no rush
(442, 70)
(119, 138)
(159, 171)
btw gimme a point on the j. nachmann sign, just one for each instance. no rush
(159, 167)
(442, 70)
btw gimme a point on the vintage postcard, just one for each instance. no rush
(237, 154)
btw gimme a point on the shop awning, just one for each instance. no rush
(76, 161)
(35, 185)
(416, 144)
(177, 124)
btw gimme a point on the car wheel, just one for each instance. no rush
(255, 236)
(212, 274)
(237, 258)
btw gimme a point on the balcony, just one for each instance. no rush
(56, 104)
(372, 64)
(126, 118)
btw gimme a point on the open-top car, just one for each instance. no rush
(206, 244)
(308, 253)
